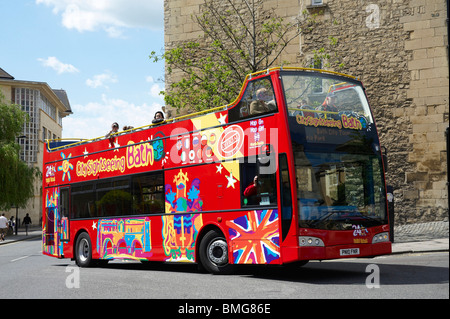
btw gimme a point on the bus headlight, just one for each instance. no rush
(305, 241)
(381, 237)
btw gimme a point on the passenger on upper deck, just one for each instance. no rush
(110, 135)
(264, 102)
(114, 129)
(159, 118)
(329, 105)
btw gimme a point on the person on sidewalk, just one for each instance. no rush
(27, 222)
(3, 227)
(11, 226)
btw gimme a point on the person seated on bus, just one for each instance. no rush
(329, 105)
(127, 127)
(243, 111)
(159, 118)
(260, 191)
(264, 102)
(251, 192)
(114, 129)
(303, 106)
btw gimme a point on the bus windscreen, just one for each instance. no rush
(335, 190)
(337, 157)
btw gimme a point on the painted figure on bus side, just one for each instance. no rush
(52, 232)
(180, 231)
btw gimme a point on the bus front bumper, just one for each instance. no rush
(344, 251)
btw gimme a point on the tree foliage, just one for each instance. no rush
(16, 178)
(240, 37)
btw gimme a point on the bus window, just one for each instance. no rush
(83, 201)
(258, 99)
(114, 197)
(64, 203)
(321, 96)
(258, 188)
(148, 193)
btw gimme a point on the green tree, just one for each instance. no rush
(16, 178)
(240, 37)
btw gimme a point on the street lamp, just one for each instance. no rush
(17, 206)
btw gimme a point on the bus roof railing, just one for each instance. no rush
(195, 114)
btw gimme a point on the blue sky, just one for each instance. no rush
(96, 50)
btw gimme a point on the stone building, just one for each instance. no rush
(399, 49)
(46, 108)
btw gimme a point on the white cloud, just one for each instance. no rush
(101, 80)
(112, 16)
(94, 119)
(58, 66)
(155, 89)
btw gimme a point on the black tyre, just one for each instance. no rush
(83, 251)
(214, 253)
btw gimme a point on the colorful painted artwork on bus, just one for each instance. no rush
(180, 231)
(255, 237)
(183, 194)
(66, 166)
(53, 231)
(124, 238)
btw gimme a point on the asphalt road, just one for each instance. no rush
(26, 273)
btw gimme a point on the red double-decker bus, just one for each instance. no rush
(291, 171)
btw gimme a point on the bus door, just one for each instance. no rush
(56, 230)
(285, 195)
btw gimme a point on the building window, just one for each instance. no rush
(27, 98)
(47, 107)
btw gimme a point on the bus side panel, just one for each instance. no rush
(253, 236)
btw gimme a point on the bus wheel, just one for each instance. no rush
(214, 253)
(83, 250)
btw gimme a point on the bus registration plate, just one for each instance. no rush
(349, 251)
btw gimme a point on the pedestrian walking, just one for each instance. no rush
(11, 225)
(3, 227)
(27, 222)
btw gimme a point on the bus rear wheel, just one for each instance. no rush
(83, 251)
(214, 253)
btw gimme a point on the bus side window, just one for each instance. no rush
(257, 99)
(148, 193)
(259, 188)
(64, 202)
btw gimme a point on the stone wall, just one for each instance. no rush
(398, 48)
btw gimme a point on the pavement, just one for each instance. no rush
(410, 238)
(420, 237)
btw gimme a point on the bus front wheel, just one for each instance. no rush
(214, 253)
(83, 251)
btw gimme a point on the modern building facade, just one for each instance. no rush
(46, 109)
(399, 49)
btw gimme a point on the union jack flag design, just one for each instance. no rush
(255, 237)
